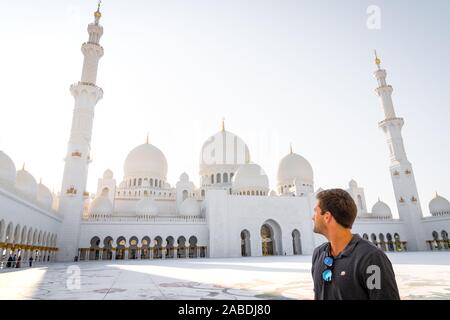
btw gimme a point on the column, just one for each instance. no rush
(175, 252)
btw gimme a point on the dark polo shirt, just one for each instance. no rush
(360, 272)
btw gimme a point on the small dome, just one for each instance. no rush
(44, 196)
(147, 206)
(26, 183)
(101, 205)
(294, 167)
(250, 176)
(439, 205)
(190, 207)
(382, 210)
(7, 169)
(108, 174)
(146, 160)
(352, 184)
(184, 177)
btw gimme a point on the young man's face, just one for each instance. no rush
(318, 218)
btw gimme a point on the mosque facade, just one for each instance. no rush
(232, 213)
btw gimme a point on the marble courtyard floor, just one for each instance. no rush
(420, 275)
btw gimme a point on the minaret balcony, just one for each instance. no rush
(391, 122)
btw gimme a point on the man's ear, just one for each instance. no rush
(328, 217)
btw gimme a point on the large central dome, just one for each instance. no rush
(146, 160)
(224, 148)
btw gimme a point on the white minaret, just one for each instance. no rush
(402, 174)
(86, 95)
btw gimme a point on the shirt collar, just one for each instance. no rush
(349, 248)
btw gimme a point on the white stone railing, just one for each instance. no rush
(149, 219)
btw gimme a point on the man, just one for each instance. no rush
(347, 267)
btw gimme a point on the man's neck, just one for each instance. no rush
(339, 240)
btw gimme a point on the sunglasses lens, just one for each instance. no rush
(328, 261)
(326, 275)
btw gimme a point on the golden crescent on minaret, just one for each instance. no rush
(377, 60)
(223, 124)
(98, 14)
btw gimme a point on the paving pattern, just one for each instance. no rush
(420, 275)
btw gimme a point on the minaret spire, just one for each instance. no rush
(377, 60)
(86, 95)
(402, 176)
(98, 14)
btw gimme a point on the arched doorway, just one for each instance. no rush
(193, 247)
(271, 238)
(398, 243)
(169, 247)
(382, 243)
(120, 249)
(157, 249)
(145, 253)
(444, 236)
(373, 237)
(181, 247)
(107, 248)
(132, 250)
(245, 243)
(296, 242)
(94, 250)
(390, 243)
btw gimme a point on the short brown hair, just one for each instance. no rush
(340, 204)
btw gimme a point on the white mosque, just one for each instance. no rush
(232, 213)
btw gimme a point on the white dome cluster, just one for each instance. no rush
(439, 206)
(24, 182)
(250, 179)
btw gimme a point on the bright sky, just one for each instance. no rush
(278, 71)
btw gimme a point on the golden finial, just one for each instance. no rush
(98, 14)
(146, 141)
(436, 194)
(378, 199)
(290, 148)
(377, 60)
(223, 124)
(23, 166)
